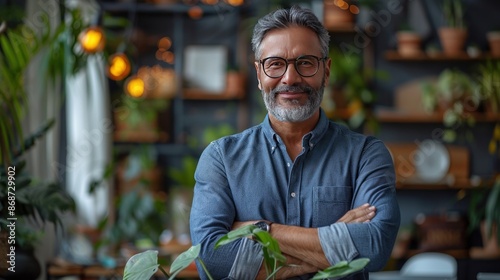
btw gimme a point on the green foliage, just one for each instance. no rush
(184, 176)
(140, 110)
(457, 94)
(485, 206)
(342, 268)
(488, 79)
(453, 11)
(140, 212)
(142, 264)
(36, 203)
(185, 259)
(18, 47)
(348, 74)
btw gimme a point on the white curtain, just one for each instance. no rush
(89, 131)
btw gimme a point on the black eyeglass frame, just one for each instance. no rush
(294, 61)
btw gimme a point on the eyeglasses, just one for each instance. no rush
(306, 65)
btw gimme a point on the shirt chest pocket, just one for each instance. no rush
(330, 203)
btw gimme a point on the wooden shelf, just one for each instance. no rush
(395, 56)
(395, 116)
(445, 184)
(160, 8)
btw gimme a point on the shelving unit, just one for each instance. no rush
(178, 14)
(396, 116)
(395, 56)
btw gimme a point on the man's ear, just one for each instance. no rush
(256, 64)
(328, 63)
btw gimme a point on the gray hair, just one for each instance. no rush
(283, 18)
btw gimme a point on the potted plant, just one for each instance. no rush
(484, 214)
(139, 215)
(454, 33)
(456, 96)
(493, 38)
(488, 80)
(351, 94)
(137, 119)
(235, 82)
(408, 41)
(181, 197)
(37, 202)
(27, 206)
(144, 265)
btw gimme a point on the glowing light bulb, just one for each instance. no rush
(119, 67)
(92, 39)
(195, 12)
(235, 3)
(135, 87)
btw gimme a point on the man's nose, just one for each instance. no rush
(291, 75)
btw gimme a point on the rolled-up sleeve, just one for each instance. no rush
(212, 216)
(375, 184)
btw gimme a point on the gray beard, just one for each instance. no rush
(297, 113)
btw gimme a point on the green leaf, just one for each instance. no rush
(184, 260)
(235, 234)
(141, 266)
(342, 268)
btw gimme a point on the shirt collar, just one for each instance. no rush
(310, 139)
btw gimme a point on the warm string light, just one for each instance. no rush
(119, 67)
(92, 39)
(135, 87)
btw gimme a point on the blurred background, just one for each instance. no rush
(105, 107)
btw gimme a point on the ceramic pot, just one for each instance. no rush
(452, 40)
(26, 266)
(409, 44)
(494, 42)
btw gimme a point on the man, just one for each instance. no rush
(313, 184)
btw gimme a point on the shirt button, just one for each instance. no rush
(292, 194)
(288, 164)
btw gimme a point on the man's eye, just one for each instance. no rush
(275, 63)
(303, 62)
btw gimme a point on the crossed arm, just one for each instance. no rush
(299, 244)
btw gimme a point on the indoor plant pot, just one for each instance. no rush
(454, 33)
(452, 40)
(494, 42)
(409, 43)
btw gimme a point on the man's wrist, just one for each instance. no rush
(263, 225)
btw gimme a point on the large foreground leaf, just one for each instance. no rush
(141, 266)
(342, 268)
(184, 260)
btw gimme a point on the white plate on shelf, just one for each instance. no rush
(431, 161)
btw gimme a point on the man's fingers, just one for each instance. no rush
(361, 214)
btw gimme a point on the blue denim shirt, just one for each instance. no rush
(249, 176)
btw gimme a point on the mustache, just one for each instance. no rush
(288, 88)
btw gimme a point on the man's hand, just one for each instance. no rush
(362, 214)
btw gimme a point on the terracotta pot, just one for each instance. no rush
(494, 42)
(409, 43)
(452, 40)
(235, 84)
(490, 249)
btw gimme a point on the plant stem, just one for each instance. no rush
(205, 269)
(164, 272)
